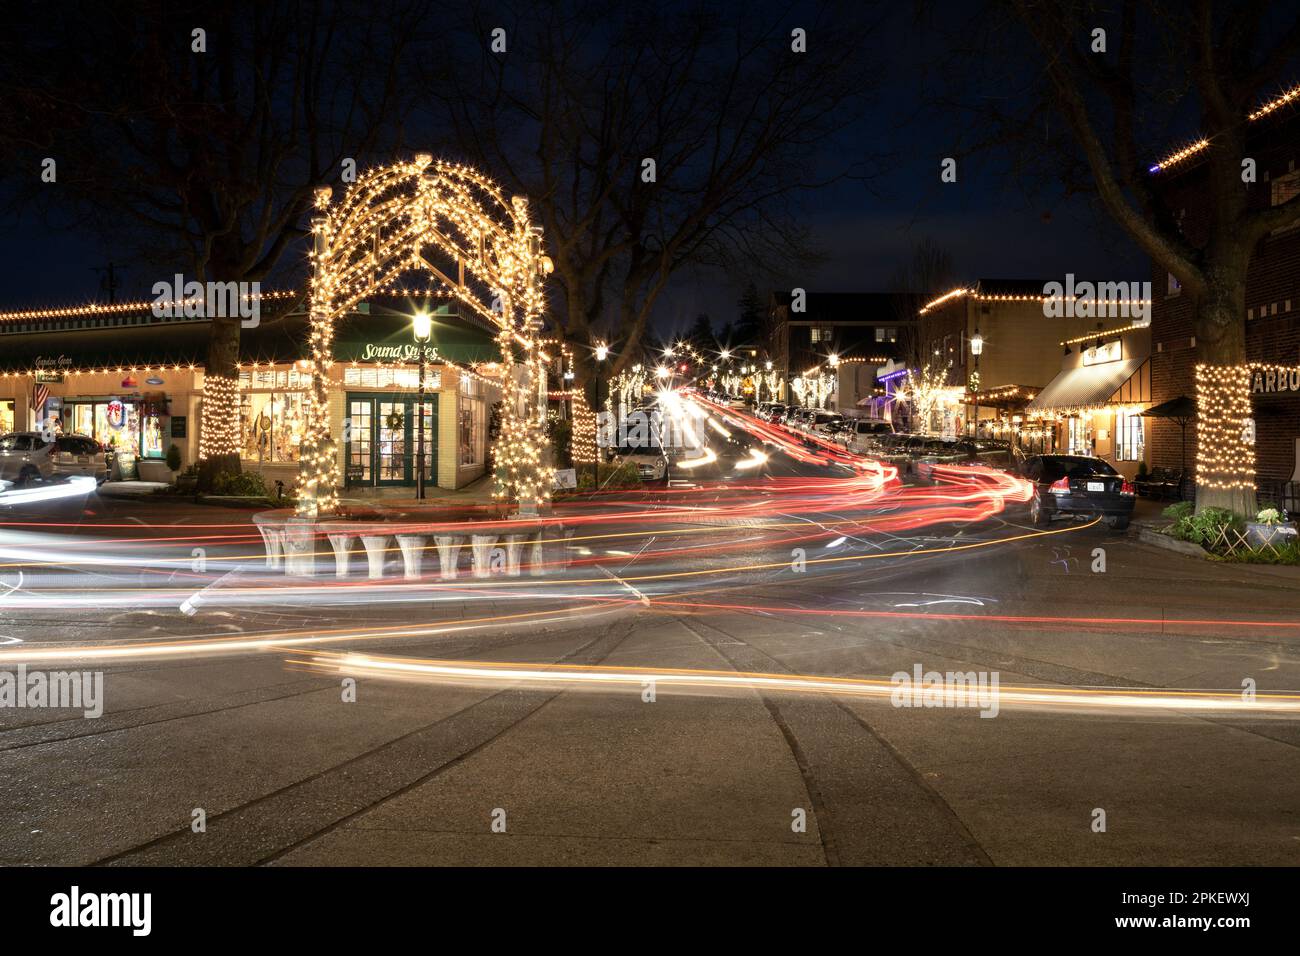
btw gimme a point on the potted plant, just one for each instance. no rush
(1270, 527)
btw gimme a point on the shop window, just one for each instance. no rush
(470, 438)
(271, 425)
(404, 378)
(127, 427)
(6, 416)
(817, 334)
(1129, 438)
(1080, 440)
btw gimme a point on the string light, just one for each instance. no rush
(1224, 459)
(583, 446)
(117, 308)
(1202, 144)
(220, 433)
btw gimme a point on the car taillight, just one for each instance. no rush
(1061, 487)
(1127, 488)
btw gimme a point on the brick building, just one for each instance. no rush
(1272, 308)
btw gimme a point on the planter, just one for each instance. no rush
(1259, 535)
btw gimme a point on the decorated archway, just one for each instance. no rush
(455, 224)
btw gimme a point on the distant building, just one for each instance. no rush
(1047, 379)
(839, 338)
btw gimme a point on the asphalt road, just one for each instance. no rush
(288, 773)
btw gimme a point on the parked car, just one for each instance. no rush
(823, 423)
(26, 458)
(651, 462)
(861, 436)
(773, 412)
(1078, 485)
(790, 415)
(80, 455)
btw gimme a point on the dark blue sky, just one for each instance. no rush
(984, 222)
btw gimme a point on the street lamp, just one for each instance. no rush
(422, 329)
(602, 353)
(976, 349)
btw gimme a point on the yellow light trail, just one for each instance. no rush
(577, 675)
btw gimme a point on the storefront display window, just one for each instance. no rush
(6, 416)
(1080, 441)
(1129, 438)
(471, 436)
(271, 425)
(405, 378)
(124, 425)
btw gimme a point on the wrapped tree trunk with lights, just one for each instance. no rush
(450, 222)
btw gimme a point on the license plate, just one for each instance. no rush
(83, 459)
(1096, 486)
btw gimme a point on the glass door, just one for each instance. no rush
(394, 429)
(380, 448)
(358, 442)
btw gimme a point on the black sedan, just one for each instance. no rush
(1078, 485)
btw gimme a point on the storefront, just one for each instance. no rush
(1094, 406)
(119, 388)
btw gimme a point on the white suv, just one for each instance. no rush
(26, 458)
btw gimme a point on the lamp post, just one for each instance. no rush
(602, 353)
(976, 349)
(422, 328)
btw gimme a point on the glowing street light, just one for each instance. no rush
(421, 329)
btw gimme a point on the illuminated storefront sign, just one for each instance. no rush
(408, 352)
(1101, 354)
(1268, 381)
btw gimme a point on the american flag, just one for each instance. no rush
(42, 393)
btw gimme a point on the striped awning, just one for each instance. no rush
(1086, 385)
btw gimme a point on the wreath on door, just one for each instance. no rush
(395, 421)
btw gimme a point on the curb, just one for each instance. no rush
(1147, 536)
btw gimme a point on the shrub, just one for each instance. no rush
(612, 477)
(1179, 510)
(1204, 528)
(1269, 516)
(244, 484)
(174, 457)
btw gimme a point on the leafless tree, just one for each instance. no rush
(649, 138)
(202, 149)
(1095, 120)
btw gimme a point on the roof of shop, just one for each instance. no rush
(137, 339)
(1085, 385)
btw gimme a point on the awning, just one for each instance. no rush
(1085, 385)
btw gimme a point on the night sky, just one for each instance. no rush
(988, 225)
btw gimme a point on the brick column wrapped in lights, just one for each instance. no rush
(219, 434)
(1225, 461)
